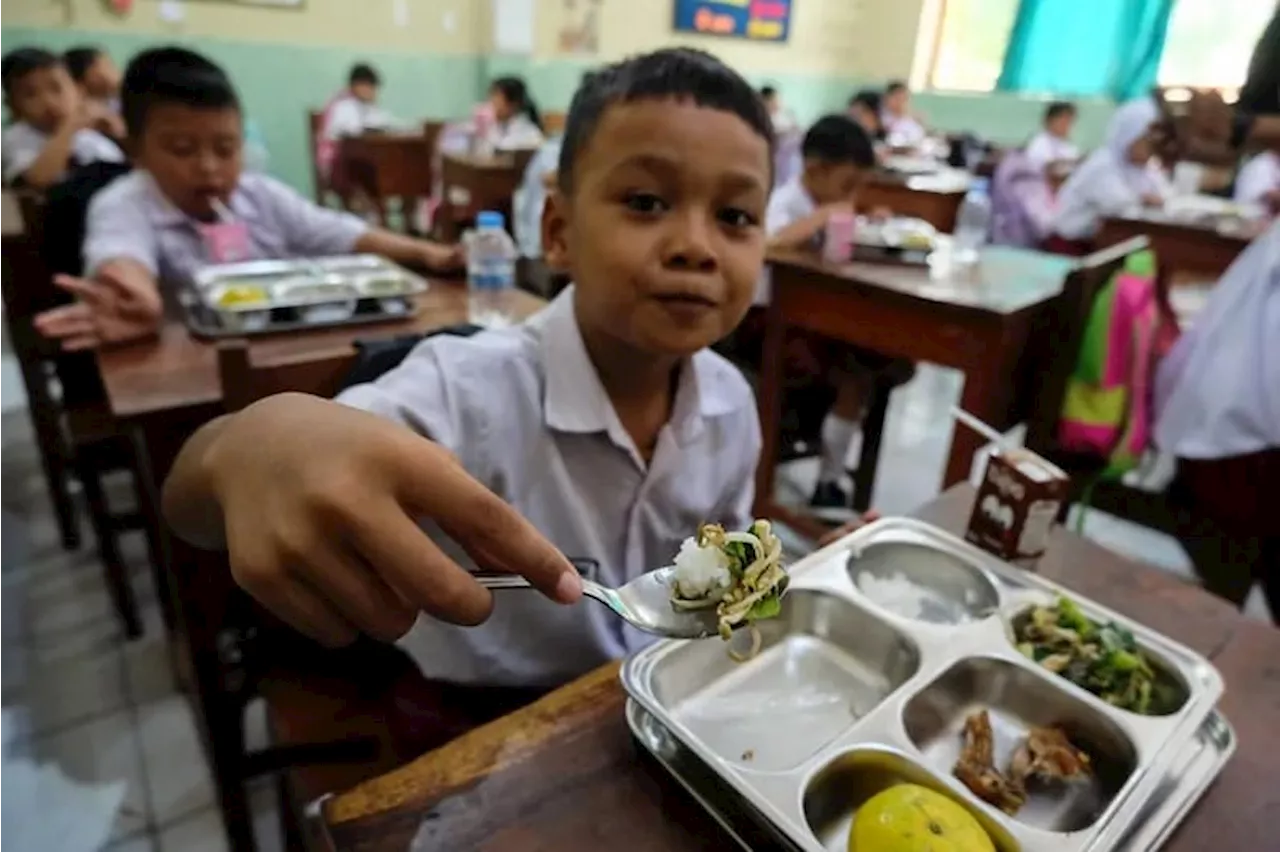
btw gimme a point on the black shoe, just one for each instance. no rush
(831, 503)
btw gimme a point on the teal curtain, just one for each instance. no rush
(1108, 48)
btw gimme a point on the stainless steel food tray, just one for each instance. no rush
(1195, 768)
(304, 293)
(845, 692)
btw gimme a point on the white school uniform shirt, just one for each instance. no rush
(524, 411)
(902, 131)
(1107, 184)
(1045, 148)
(22, 144)
(1257, 178)
(788, 204)
(350, 116)
(1217, 393)
(131, 218)
(514, 134)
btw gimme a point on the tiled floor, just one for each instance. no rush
(104, 709)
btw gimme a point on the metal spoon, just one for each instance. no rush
(644, 603)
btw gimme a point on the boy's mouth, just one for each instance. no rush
(686, 307)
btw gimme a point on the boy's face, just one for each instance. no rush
(1060, 125)
(897, 101)
(830, 183)
(502, 108)
(102, 80)
(663, 229)
(865, 116)
(45, 98)
(366, 92)
(193, 154)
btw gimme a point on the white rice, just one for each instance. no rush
(700, 570)
(900, 595)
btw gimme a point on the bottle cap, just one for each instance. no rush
(490, 219)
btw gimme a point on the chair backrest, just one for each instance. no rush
(1060, 334)
(245, 381)
(553, 123)
(315, 126)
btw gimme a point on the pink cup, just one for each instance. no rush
(837, 243)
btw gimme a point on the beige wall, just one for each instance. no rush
(864, 38)
(355, 23)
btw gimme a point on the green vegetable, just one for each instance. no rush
(1070, 616)
(767, 607)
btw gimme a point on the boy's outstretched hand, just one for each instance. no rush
(318, 505)
(108, 309)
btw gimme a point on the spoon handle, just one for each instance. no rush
(502, 581)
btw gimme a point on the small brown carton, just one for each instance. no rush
(1017, 503)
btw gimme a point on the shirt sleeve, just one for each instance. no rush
(117, 227)
(309, 229)
(343, 120)
(21, 147)
(780, 213)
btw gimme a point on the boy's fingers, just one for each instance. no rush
(358, 594)
(305, 611)
(90, 292)
(411, 564)
(495, 535)
(65, 321)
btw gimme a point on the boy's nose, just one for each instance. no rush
(689, 245)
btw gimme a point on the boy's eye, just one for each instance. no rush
(644, 202)
(737, 218)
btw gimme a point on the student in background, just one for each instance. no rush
(352, 112)
(53, 125)
(517, 123)
(838, 156)
(1052, 145)
(865, 108)
(1259, 181)
(188, 203)
(1122, 174)
(99, 80)
(784, 121)
(603, 428)
(530, 199)
(901, 128)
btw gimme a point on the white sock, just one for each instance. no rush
(837, 437)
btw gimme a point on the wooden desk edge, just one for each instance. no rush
(477, 754)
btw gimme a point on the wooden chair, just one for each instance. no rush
(390, 170)
(319, 183)
(553, 123)
(485, 184)
(77, 437)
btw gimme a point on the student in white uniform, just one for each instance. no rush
(352, 112)
(784, 120)
(901, 128)
(52, 129)
(98, 79)
(1259, 181)
(602, 429)
(154, 227)
(1053, 145)
(1122, 174)
(1217, 409)
(517, 123)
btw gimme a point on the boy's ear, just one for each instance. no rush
(555, 231)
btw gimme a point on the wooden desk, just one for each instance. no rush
(934, 198)
(563, 774)
(978, 322)
(1180, 247)
(383, 166)
(472, 184)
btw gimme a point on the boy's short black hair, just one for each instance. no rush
(768, 91)
(362, 72)
(79, 60)
(868, 98)
(838, 139)
(895, 86)
(678, 73)
(21, 62)
(1058, 108)
(172, 75)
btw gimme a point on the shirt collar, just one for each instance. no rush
(575, 399)
(164, 214)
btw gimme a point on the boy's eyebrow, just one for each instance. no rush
(733, 179)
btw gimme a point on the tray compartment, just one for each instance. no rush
(834, 794)
(1017, 699)
(822, 665)
(956, 590)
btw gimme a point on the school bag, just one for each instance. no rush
(1107, 410)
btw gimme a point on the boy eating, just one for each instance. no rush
(603, 428)
(53, 126)
(189, 204)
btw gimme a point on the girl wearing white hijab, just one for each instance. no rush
(1120, 175)
(1217, 408)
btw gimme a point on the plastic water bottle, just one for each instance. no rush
(491, 271)
(973, 224)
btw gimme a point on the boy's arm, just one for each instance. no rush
(800, 232)
(407, 250)
(49, 165)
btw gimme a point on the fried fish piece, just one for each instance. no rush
(976, 767)
(1047, 755)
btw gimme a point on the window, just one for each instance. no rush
(969, 44)
(1210, 42)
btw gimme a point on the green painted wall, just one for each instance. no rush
(278, 83)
